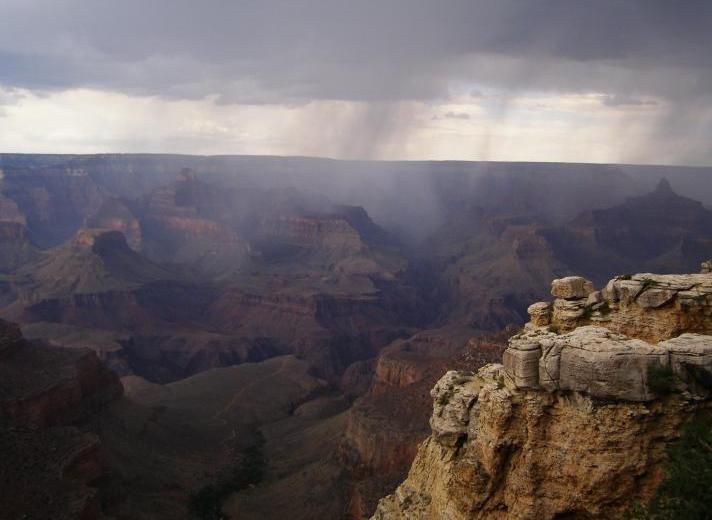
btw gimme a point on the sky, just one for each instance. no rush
(613, 81)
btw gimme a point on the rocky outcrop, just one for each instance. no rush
(542, 436)
(648, 306)
(690, 357)
(571, 288)
(540, 313)
(523, 454)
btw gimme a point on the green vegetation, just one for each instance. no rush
(661, 379)
(684, 493)
(207, 503)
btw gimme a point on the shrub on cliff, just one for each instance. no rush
(661, 379)
(686, 490)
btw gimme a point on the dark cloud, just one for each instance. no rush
(293, 51)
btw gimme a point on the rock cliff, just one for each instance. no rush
(385, 426)
(576, 421)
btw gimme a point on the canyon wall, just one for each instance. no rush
(576, 421)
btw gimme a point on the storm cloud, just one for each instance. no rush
(634, 53)
(286, 50)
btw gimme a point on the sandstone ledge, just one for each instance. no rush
(605, 364)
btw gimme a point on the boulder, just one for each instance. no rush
(521, 359)
(571, 287)
(706, 267)
(522, 365)
(540, 314)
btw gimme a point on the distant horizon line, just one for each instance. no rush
(353, 160)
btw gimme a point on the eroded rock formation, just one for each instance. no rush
(576, 421)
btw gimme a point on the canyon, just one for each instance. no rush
(290, 316)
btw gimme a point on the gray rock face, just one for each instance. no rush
(691, 361)
(660, 287)
(654, 298)
(453, 397)
(571, 287)
(521, 359)
(600, 363)
(523, 365)
(592, 360)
